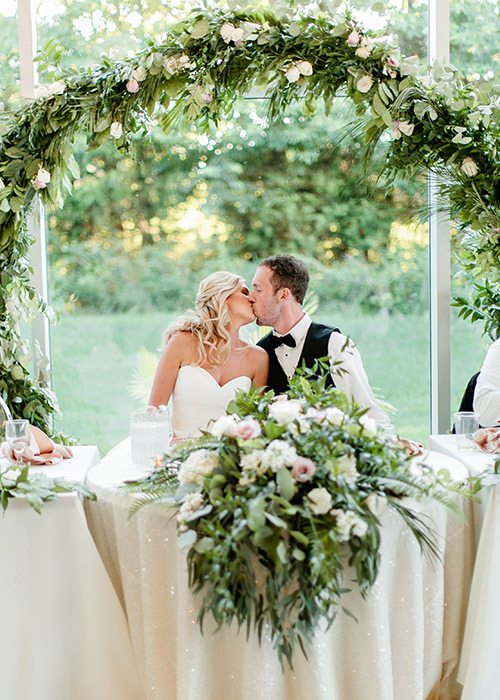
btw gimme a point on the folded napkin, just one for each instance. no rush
(488, 439)
(41, 450)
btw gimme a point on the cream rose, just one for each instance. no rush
(321, 501)
(199, 464)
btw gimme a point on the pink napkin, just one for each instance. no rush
(488, 439)
(41, 450)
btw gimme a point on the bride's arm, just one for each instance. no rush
(167, 370)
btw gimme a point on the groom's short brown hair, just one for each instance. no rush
(288, 271)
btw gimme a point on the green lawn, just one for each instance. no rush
(94, 358)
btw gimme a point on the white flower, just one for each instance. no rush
(41, 180)
(294, 70)
(292, 73)
(284, 412)
(376, 504)
(365, 49)
(252, 462)
(132, 85)
(139, 74)
(231, 33)
(353, 38)
(2, 184)
(191, 503)
(335, 416)
(369, 425)
(348, 522)
(315, 414)
(225, 425)
(399, 128)
(364, 84)
(304, 67)
(347, 467)
(321, 501)
(469, 167)
(278, 454)
(116, 130)
(198, 465)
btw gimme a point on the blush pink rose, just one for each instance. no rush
(248, 429)
(353, 38)
(132, 85)
(303, 469)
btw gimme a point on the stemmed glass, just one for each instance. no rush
(17, 435)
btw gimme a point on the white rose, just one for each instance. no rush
(469, 167)
(315, 414)
(41, 179)
(139, 74)
(278, 454)
(347, 467)
(304, 67)
(284, 412)
(116, 130)
(191, 503)
(198, 465)
(365, 49)
(335, 416)
(369, 425)
(225, 425)
(364, 84)
(230, 33)
(321, 501)
(251, 462)
(347, 522)
(292, 73)
(376, 504)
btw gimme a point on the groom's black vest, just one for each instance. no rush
(315, 346)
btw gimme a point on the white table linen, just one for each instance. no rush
(63, 634)
(478, 670)
(404, 646)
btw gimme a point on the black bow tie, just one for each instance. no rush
(275, 341)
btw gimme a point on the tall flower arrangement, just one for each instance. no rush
(278, 498)
(441, 124)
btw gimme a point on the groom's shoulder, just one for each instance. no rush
(264, 341)
(320, 330)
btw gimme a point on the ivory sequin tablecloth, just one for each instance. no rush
(63, 633)
(404, 645)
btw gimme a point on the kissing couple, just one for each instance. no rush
(205, 361)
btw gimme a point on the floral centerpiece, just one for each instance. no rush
(279, 497)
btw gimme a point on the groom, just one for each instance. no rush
(278, 290)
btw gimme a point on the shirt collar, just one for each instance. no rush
(299, 331)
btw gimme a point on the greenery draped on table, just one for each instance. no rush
(440, 124)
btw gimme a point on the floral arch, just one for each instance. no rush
(441, 124)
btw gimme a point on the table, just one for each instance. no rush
(478, 670)
(404, 646)
(475, 462)
(64, 634)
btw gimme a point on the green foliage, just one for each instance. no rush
(38, 489)
(279, 498)
(194, 75)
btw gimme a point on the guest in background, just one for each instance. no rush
(487, 392)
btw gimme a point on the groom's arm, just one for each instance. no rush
(349, 375)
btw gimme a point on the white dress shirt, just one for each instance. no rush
(347, 371)
(487, 391)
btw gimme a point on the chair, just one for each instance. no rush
(467, 402)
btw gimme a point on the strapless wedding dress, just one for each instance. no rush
(198, 398)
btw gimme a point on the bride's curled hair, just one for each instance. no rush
(210, 320)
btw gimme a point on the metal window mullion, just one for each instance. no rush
(439, 251)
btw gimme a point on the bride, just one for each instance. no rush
(205, 361)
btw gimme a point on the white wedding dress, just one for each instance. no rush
(198, 399)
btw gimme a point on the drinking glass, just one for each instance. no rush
(150, 433)
(17, 435)
(466, 424)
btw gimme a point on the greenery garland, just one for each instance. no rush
(442, 125)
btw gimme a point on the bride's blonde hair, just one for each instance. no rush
(210, 320)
